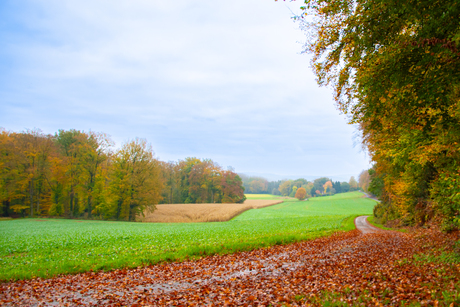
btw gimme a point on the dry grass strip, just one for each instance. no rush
(195, 213)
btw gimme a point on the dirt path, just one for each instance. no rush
(364, 226)
(271, 275)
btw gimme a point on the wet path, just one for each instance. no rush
(364, 226)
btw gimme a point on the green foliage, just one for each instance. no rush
(135, 183)
(47, 247)
(394, 67)
(376, 184)
(293, 191)
(200, 181)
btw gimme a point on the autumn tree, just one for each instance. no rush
(201, 181)
(327, 187)
(285, 188)
(301, 194)
(232, 188)
(135, 181)
(70, 143)
(75, 174)
(94, 152)
(394, 68)
(170, 179)
(26, 165)
(258, 185)
(204, 181)
(6, 172)
(318, 184)
(353, 184)
(364, 179)
(308, 188)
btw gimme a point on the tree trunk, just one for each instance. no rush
(71, 202)
(31, 194)
(89, 206)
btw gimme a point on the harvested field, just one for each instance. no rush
(195, 213)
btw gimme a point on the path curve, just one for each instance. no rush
(364, 226)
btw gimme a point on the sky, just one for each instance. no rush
(220, 80)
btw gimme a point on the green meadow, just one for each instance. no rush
(32, 248)
(264, 196)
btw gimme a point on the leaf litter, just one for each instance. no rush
(349, 268)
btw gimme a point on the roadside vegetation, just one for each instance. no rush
(394, 68)
(47, 247)
(372, 220)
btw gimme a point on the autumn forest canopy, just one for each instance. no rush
(395, 69)
(78, 174)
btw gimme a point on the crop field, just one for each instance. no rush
(194, 213)
(47, 247)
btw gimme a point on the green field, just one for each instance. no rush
(47, 247)
(263, 196)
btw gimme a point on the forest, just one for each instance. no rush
(395, 70)
(77, 174)
(318, 187)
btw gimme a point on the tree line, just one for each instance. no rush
(318, 187)
(394, 66)
(78, 174)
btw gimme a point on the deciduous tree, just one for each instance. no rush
(394, 69)
(135, 180)
(327, 187)
(285, 188)
(301, 194)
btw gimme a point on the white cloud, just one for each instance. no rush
(220, 80)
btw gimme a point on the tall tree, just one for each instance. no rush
(364, 179)
(394, 68)
(135, 180)
(327, 187)
(232, 188)
(93, 151)
(70, 144)
(353, 184)
(285, 188)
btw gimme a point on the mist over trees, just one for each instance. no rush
(318, 187)
(78, 174)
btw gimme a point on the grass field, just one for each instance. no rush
(47, 247)
(266, 196)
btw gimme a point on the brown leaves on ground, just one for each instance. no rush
(347, 267)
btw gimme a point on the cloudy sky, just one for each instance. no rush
(223, 80)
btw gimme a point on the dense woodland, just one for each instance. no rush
(318, 187)
(395, 69)
(78, 174)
